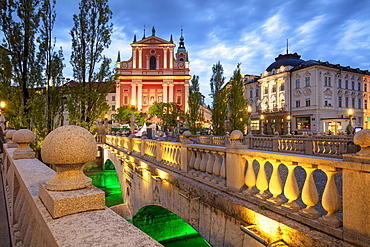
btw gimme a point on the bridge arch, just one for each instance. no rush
(167, 227)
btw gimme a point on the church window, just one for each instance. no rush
(125, 100)
(145, 100)
(151, 100)
(182, 59)
(153, 62)
(178, 100)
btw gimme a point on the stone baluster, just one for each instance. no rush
(330, 198)
(198, 160)
(250, 176)
(24, 137)
(216, 166)
(9, 136)
(192, 159)
(262, 184)
(310, 196)
(291, 190)
(223, 168)
(209, 166)
(203, 164)
(275, 185)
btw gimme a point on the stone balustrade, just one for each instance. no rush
(324, 193)
(321, 145)
(33, 218)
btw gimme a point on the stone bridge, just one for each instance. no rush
(235, 196)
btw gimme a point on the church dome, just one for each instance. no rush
(285, 60)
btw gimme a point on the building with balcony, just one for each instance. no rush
(310, 96)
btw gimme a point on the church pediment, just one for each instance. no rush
(153, 40)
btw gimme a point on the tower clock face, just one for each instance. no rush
(181, 65)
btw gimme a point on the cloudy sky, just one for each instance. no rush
(250, 32)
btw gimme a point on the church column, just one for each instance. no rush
(139, 97)
(140, 58)
(165, 93)
(186, 95)
(118, 94)
(133, 95)
(165, 58)
(171, 58)
(134, 58)
(170, 96)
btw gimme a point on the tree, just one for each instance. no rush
(19, 21)
(124, 113)
(194, 115)
(90, 34)
(237, 102)
(167, 113)
(219, 96)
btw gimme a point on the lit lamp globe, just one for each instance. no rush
(68, 148)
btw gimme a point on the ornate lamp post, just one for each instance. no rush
(289, 119)
(2, 118)
(262, 118)
(249, 127)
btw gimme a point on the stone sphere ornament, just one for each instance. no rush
(362, 138)
(68, 148)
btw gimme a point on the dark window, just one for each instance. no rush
(308, 81)
(339, 83)
(297, 83)
(113, 98)
(153, 62)
(113, 107)
(365, 104)
(359, 86)
(257, 92)
(274, 88)
(125, 100)
(282, 87)
(266, 90)
(327, 81)
(353, 85)
(308, 102)
(340, 101)
(365, 87)
(353, 102)
(346, 84)
(347, 102)
(178, 101)
(298, 103)
(359, 104)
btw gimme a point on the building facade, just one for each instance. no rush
(156, 72)
(308, 96)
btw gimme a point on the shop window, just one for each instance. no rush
(303, 123)
(255, 124)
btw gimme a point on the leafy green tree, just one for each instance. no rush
(91, 34)
(237, 102)
(219, 96)
(19, 21)
(168, 113)
(194, 114)
(124, 113)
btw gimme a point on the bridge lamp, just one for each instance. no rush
(289, 118)
(249, 125)
(350, 114)
(262, 118)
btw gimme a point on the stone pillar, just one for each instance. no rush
(140, 58)
(184, 159)
(133, 94)
(68, 148)
(134, 58)
(186, 96)
(9, 136)
(165, 58)
(234, 171)
(139, 97)
(165, 97)
(171, 58)
(118, 95)
(170, 93)
(23, 137)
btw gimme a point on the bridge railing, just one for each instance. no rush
(321, 192)
(31, 224)
(322, 145)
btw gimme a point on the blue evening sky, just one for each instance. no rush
(250, 32)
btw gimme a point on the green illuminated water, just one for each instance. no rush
(107, 181)
(167, 228)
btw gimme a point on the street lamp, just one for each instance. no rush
(262, 118)
(2, 118)
(249, 127)
(289, 118)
